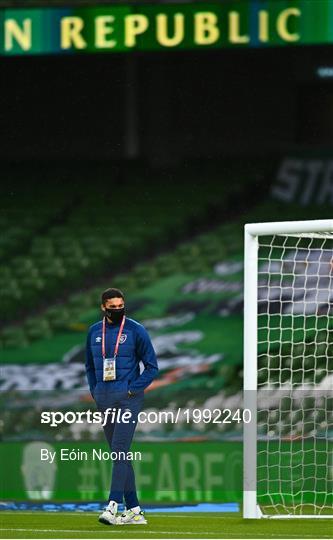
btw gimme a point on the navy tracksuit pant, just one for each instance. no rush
(119, 437)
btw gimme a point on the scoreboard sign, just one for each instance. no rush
(119, 28)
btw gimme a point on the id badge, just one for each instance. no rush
(109, 369)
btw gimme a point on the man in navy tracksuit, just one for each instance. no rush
(115, 347)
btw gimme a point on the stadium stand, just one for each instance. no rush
(188, 292)
(102, 233)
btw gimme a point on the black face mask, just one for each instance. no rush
(115, 315)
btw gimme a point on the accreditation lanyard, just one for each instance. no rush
(118, 338)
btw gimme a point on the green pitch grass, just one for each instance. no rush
(196, 525)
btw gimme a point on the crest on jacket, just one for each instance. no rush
(123, 338)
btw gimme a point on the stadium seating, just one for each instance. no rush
(95, 239)
(73, 262)
(194, 257)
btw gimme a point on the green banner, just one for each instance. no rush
(114, 28)
(165, 472)
(289, 472)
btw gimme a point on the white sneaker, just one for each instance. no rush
(132, 518)
(109, 516)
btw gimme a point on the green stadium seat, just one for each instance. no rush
(81, 300)
(59, 317)
(13, 337)
(167, 265)
(37, 328)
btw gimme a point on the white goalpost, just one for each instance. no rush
(288, 369)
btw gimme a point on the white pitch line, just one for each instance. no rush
(145, 531)
(126, 531)
(97, 512)
(152, 515)
(149, 516)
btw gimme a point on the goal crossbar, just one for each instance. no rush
(289, 227)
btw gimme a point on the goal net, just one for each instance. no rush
(288, 369)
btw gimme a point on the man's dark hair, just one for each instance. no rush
(111, 293)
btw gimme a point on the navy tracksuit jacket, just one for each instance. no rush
(134, 346)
